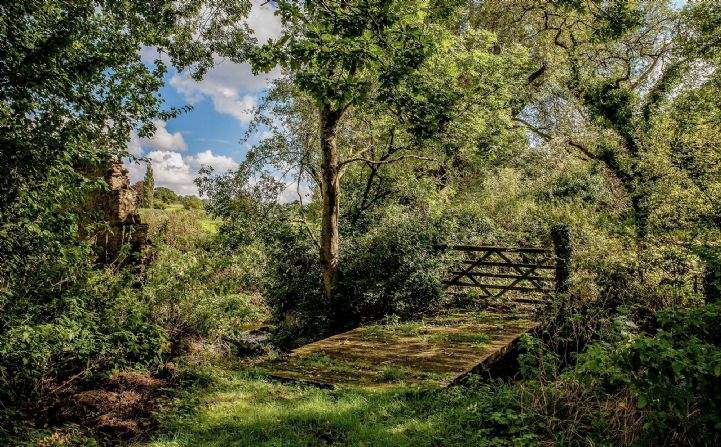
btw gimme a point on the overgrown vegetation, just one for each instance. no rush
(441, 122)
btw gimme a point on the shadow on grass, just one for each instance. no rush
(249, 410)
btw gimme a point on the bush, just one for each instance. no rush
(195, 286)
(201, 294)
(674, 376)
(294, 286)
(63, 319)
(191, 202)
(393, 269)
(98, 324)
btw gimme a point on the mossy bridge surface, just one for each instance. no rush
(446, 348)
(435, 351)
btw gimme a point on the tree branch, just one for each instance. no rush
(547, 137)
(388, 161)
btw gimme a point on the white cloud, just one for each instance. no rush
(233, 88)
(263, 22)
(177, 172)
(135, 146)
(148, 55)
(163, 140)
(136, 170)
(292, 193)
(220, 163)
(172, 171)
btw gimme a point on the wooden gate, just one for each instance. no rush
(497, 270)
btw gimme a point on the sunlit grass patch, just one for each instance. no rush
(394, 330)
(470, 334)
(174, 207)
(410, 328)
(245, 409)
(211, 226)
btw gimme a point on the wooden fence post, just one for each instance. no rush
(563, 248)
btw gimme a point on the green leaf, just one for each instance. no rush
(642, 402)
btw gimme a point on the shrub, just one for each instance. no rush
(201, 294)
(392, 269)
(182, 229)
(674, 376)
(191, 202)
(293, 286)
(195, 286)
(98, 324)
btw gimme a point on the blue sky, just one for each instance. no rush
(212, 132)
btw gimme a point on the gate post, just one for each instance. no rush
(563, 248)
(712, 281)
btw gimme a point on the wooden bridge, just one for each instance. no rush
(443, 349)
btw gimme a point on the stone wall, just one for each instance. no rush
(116, 213)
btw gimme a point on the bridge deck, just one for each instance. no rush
(433, 351)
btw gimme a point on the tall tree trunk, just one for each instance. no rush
(330, 188)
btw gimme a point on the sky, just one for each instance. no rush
(211, 133)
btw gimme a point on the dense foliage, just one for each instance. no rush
(72, 87)
(440, 122)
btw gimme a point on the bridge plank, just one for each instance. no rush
(435, 351)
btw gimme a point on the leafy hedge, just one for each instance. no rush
(673, 375)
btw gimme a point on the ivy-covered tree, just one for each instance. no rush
(613, 86)
(608, 71)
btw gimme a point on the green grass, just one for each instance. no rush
(394, 373)
(174, 207)
(247, 409)
(419, 329)
(179, 222)
(209, 225)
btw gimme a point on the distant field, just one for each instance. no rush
(175, 214)
(174, 207)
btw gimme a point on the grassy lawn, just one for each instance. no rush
(245, 408)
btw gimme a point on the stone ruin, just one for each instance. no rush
(115, 209)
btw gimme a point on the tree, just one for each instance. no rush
(342, 53)
(165, 195)
(146, 194)
(191, 202)
(73, 86)
(370, 84)
(607, 71)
